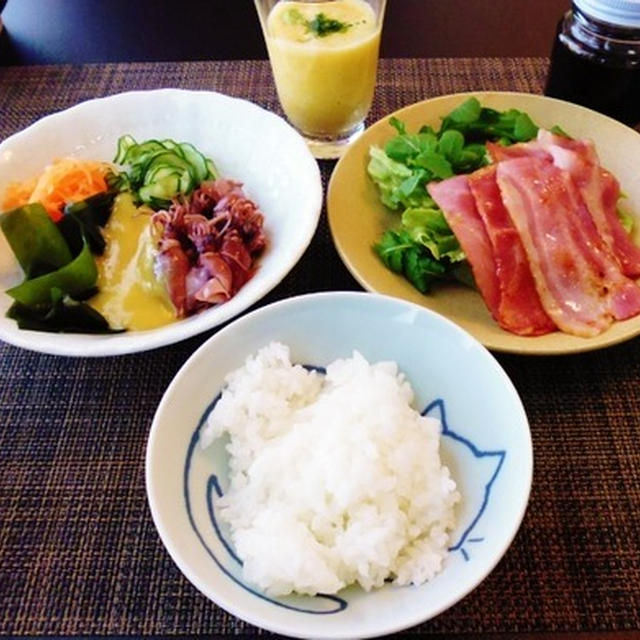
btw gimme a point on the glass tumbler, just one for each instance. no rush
(324, 58)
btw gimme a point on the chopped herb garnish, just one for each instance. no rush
(321, 26)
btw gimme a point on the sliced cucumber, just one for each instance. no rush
(163, 189)
(172, 145)
(124, 144)
(213, 170)
(141, 153)
(167, 159)
(160, 170)
(196, 160)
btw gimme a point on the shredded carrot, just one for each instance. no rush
(18, 193)
(65, 180)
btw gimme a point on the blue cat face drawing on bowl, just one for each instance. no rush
(484, 441)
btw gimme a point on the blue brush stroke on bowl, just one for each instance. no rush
(437, 407)
(338, 604)
(213, 490)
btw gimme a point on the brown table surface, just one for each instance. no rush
(79, 553)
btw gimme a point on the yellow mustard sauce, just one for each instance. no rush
(129, 294)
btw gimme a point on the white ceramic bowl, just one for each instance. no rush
(486, 443)
(246, 142)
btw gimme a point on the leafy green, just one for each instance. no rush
(62, 314)
(398, 184)
(451, 146)
(559, 131)
(427, 227)
(82, 221)
(57, 259)
(35, 240)
(479, 124)
(409, 161)
(73, 278)
(626, 219)
(400, 254)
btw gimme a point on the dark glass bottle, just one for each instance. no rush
(595, 60)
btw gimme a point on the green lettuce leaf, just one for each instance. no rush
(427, 227)
(399, 253)
(398, 184)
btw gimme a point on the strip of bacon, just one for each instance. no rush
(578, 279)
(520, 310)
(498, 152)
(455, 199)
(600, 191)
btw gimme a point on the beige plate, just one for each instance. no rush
(357, 217)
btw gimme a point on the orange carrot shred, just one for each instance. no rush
(64, 181)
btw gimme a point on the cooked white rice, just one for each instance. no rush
(334, 479)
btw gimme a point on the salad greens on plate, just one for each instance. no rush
(423, 248)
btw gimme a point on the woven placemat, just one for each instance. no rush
(78, 550)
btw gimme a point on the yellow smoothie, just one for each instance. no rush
(324, 71)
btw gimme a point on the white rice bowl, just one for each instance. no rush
(334, 479)
(484, 441)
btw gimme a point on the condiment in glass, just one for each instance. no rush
(595, 60)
